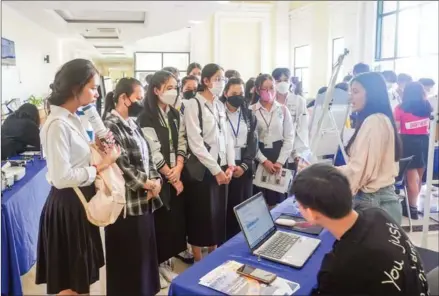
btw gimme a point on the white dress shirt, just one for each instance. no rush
(272, 126)
(297, 106)
(215, 133)
(66, 148)
(237, 130)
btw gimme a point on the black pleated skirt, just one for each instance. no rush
(131, 255)
(417, 146)
(70, 250)
(170, 227)
(240, 189)
(206, 204)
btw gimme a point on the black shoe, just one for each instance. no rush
(186, 257)
(414, 213)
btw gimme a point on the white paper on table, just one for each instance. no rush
(30, 153)
(280, 182)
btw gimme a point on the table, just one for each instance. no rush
(238, 250)
(21, 210)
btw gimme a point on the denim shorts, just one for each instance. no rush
(385, 198)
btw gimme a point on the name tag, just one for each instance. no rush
(237, 153)
(417, 124)
(222, 142)
(172, 159)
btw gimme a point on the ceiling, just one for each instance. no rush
(112, 28)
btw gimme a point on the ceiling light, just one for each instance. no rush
(194, 22)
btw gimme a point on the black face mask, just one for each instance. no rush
(189, 94)
(135, 109)
(236, 101)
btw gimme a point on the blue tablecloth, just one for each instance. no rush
(238, 250)
(21, 209)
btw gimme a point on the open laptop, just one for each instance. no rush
(266, 241)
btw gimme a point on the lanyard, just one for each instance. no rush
(235, 132)
(217, 120)
(267, 123)
(166, 122)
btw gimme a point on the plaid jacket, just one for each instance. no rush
(131, 164)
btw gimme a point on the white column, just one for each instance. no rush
(281, 34)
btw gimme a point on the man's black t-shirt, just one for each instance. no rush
(374, 257)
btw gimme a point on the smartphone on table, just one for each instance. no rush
(257, 274)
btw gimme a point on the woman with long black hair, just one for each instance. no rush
(412, 117)
(205, 121)
(130, 244)
(160, 123)
(375, 148)
(241, 124)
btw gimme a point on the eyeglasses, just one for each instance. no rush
(221, 79)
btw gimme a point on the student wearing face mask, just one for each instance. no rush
(249, 90)
(241, 124)
(194, 69)
(160, 123)
(134, 109)
(296, 104)
(130, 243)
(275, 132)
(189, 86)
(207, 134)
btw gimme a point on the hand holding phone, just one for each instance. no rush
(257, 274)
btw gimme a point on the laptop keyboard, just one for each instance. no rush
(280, 245)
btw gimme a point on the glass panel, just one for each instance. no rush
(148, 61)
(429, 28)
(384, 65)
(302, 56)
(388, 36)
(177, 60)
(142, 75)
(408, 32)
(303, 75)
(389, 6)
(337, 49)
(409, 66)
(428, 67)
(405, 4)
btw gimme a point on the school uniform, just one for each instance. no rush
(131, 252)
(206, 201)
(166, 138)
(241, 127)
(276, 140)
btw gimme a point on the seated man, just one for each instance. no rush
(372, 255)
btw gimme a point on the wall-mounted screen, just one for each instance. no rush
(8, 52)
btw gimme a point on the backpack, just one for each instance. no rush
(107, 204)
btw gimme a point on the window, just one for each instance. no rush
(150, 62)
(407, 37)
(338, 49)
(302, 56)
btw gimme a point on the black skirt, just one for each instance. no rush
(69, 251)
(206, 204)
(170, 227)
(240, 189)
(416, 145)
(131, 253)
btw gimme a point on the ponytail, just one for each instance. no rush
(109, 105)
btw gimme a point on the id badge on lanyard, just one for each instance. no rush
(267, 139)
(221, 135)
(236, 136)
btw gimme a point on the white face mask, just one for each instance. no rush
(282, 87)
(217, 88)
(169, 97)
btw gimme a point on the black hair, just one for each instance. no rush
(322, 90)
(278, 72)
(347, 78)
(427, 82)
(159, 78)
(377, 101)
(70, 80)
(148, 78)
(208, 72)
(29, 111)
(414, 102)
(173, 70)
(323, 188)
(232, 73)
(232, 81)
(248, 87)
(404, 78)
(193, 66)
(124, 86)
(258, 84)
(389, 76)
(361, 68)
(298, 90)
(188, 78)
(342, 85)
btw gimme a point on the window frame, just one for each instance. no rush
(163, 53)
(295, 68)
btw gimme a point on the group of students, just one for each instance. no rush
(184, 158)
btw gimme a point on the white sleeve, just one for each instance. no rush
(230, 148)
(288, 132)
(195, 140)
(155, 146)
(301, 141)
(182, 142)
(58, 152)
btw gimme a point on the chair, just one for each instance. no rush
(400, 184)
(433, 281)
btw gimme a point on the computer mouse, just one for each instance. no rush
(286, 222)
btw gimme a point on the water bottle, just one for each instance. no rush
(97, 124)
(86, 124)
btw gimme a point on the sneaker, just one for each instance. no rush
(413, 211)
(166, 271)
(163, 283)
(186, 257)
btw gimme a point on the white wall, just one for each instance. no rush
(31, 75)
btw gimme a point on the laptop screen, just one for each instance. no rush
(255, 219)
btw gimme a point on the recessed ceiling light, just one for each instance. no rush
(194, 22)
